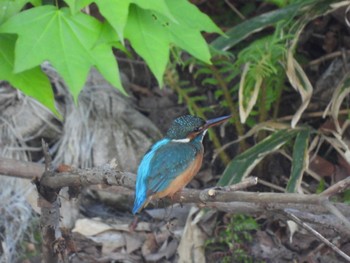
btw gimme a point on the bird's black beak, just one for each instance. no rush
(216, 121)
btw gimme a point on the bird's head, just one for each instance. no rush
(188, 127)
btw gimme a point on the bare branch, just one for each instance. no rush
(318, 236)
(50, 210)
(106, 174)
(21, 169)
(220, 198)
(212, 195)
(337, 188)
(247, 182)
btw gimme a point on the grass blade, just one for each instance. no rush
(300, 160)
(244, 163)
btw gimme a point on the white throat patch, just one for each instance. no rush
(186, 140)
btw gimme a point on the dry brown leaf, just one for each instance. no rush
(111, 236)
(110, 240)
(191, 247)
(167, 250)
(244, 111)
(176, 210)
(293, 227)
(300, 83)
(150, 245)
(90, 227)
(339, 145)
(133, 242)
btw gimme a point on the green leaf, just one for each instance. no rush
(253, 25)
(151, 33)
(321, 186)
(149, 39)
(300, 160)
(35, 2)
(33, 82)
(346, 197)
(190, 40)
(9, 8)
(244, 163)
(186, 34)
(76, 5)
(67, 41)
(190, 16)
(108, 37)
(117, 11)
(279, 3)
(210, 81)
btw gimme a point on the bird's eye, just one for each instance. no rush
(198, 129)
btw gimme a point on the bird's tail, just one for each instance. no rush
(139, 203)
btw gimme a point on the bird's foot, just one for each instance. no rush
(134, 223)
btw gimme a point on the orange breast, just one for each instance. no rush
(182, 180)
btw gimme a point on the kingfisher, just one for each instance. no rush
(171, 163)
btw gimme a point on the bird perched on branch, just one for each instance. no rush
(172, 162)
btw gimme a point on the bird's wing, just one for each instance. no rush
(167, 163)
(143, 174)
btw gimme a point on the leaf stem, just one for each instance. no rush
(262, 109)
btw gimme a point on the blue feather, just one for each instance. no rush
(161, 165)
(168, 163)
(142, 176)
(170, 158)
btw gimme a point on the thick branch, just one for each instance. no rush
(106, 174)
(311, 208)
(21, 169)
(224, 199)
(211, 195)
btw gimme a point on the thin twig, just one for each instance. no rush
(235, 10)
(337, 188)
(272, 186)
(317, 235)
(47, 156)
(244, 184)
(327, 57)
(317, 114)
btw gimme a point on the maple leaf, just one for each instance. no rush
(151, 33)
(150, 42)
(76, 5)
(116, 11)
(152, 26)
(9, 8)
(31, 82)
(67, 41)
